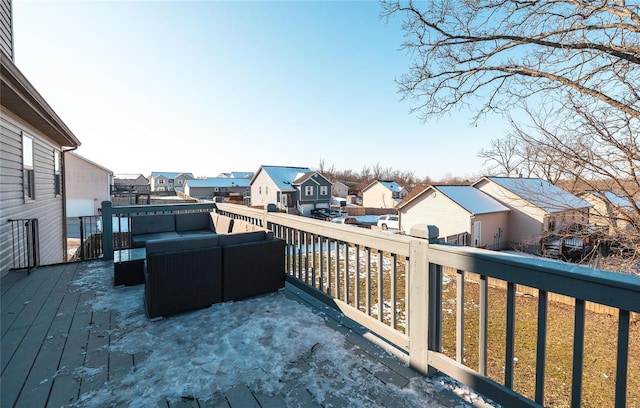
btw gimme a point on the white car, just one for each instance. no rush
(389, 222)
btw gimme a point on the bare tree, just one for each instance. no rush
(504, 51)
(503, 157)
(566, 72)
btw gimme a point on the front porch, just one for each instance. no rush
(70, 339)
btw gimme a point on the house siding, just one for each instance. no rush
(435, 209)
(494, 233)
(259, 186)
(526, 221)
(6, 31)
(47, 207)
(378, 196)
(87, 186)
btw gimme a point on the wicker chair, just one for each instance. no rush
(182, 275)
(252, 264)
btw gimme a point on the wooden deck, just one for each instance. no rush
(50, 334)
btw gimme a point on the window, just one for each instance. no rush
(259, 189)
(27, 167)
(160, 181)
(266, 189)
(323, 190)
(308, 190)
(57, 182)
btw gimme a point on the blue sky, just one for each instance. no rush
(209, 87)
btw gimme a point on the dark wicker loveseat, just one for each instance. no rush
(165, 226)
(193, 272)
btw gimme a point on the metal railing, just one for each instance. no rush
(399, 288)
(85, 232)
(25, 243)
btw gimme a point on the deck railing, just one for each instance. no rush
(399, 288)
(25, 243)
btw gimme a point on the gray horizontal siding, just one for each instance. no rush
(46, 207)
(6, 33)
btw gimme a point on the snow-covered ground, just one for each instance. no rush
(257, 342)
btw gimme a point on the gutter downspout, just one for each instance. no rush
(63, 184)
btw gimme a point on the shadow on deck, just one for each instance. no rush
(70, 339)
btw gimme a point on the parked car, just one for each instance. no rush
(345, 220)
(325, 213)
(389, 222)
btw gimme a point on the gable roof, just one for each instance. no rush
(21, 98)
(417, 190)
(388, 184)
(469, 198)
(614, 198)
(169, 175)
(94, 164)
(237, 174)
(218, 182)
(283, 176)
(540, 193)
(310, 176)
(472, 199)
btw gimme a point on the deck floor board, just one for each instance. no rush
(51, 339)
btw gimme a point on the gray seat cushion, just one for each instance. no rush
(149, 224)
(182, 244)
(139, 241)
(243, 238)
(194, 221)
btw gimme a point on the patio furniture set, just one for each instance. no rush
(193, 260)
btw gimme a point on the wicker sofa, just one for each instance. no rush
(191, 272)
(169, 226)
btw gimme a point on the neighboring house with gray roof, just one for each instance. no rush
(168, 181)
(339, 189)
(383, 194)
(314, 191)
(612, 210)
(209, 188)
(290, 188)
(538, 208)
(237, 175)
(460, 211)
(130, 183)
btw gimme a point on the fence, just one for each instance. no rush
(84, 238)
(25, 243)
(394, 286)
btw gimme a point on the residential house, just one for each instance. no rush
(339, 189)
(33, 139)
(612, 210)
(292, 189)
(168, 181)
(130, 184)
(237, 175)
(87, 185)
(538, 208)
(209, 188)
(314, 191)
(463, 214)
(274, 185)
(383, 194)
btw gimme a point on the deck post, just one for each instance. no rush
(107, 231)
(418, 311)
